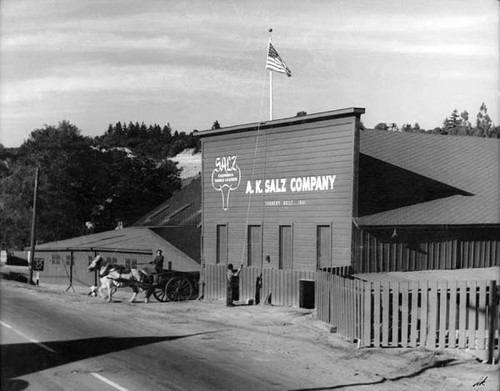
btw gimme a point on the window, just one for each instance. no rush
(221, 256)
(285, 249)
(56, 259)
(323, 246)
(254, 255)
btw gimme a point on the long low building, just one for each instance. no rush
(64, 263)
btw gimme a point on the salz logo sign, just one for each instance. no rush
(226, 176)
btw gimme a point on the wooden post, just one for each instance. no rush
(33, 226)
(492, 320)
(71, 261)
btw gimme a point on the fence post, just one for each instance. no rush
(492, 320)
(367, 322)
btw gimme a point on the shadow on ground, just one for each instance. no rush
(25, 358)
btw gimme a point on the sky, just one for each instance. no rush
(189, 63)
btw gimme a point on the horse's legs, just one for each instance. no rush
(110, 292)
(148, 291)
(100, 291)
(134, 294)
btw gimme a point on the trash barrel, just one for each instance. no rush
(306, 294)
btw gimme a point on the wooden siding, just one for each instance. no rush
(305, 150)
(283, 285)
(427, 314)
(458, 249)
(64, 275)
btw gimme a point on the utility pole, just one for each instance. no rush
(33, 226)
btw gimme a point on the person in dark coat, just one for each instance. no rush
(158, 265)
(233, 285)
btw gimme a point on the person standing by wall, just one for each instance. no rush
(233, 285)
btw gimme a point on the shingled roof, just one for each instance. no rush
(422, 179)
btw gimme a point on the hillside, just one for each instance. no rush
(189, 162)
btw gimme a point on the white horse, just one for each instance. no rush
(113, 277)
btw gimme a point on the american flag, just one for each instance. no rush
(275, 63)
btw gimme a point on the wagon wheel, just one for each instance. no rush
(160, 293)
(178, 289)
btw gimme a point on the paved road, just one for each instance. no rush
(59, 341)
(51, 344)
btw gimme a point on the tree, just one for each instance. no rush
(460, 125)
(393, 127)
(484, 124)
(465, 125)
(215, 125)
(68, 168)
(78, 182)
(451, 123)
(406, 128)
(381, 126)
(415, 128)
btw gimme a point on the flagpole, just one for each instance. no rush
(270, 81)
(271, 95)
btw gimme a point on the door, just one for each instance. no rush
(221, 256)
(254, 245)
(323, 246)
(286, 246)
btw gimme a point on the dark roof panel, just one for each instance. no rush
(467, 166)
(186, 238)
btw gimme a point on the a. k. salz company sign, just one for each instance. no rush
(226, 177)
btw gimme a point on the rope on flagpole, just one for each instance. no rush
(255, 151)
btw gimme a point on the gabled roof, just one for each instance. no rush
(132, 240)
(183, 208)
(456, 178)
(136, 239)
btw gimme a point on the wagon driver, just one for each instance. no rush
(158, 265)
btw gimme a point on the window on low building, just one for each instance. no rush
(56, 259)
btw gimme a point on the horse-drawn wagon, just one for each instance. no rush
(176, 286)
(171, 285)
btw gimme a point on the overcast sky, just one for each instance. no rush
(189, 63)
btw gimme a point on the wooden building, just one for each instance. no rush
(317, 192)
(427, 202)
(281, 194)
(359, 213)
(64, 263)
